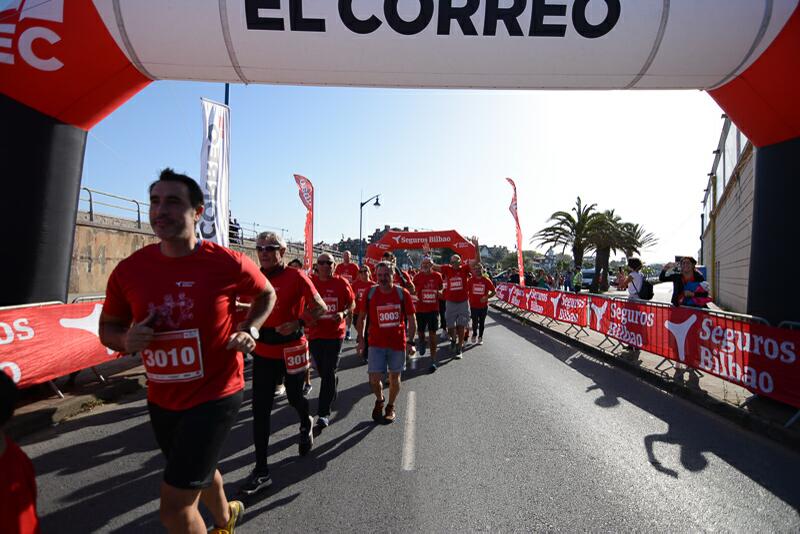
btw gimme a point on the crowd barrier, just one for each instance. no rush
(740, 349)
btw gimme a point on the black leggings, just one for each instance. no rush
(442, 320)
(267, 373)
(326, 359)
(478, 320)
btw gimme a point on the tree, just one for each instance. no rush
(570, 230)
(636, 239)
(605, 234)
(530, 260)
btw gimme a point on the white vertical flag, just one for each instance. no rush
(214, 167)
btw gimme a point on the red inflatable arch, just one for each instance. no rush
(66, 64)
(394, 240)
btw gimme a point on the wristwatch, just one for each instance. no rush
(253, 331)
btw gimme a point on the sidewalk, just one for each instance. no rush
(761, 415)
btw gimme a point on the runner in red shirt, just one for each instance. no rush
(387, 309)
(360, 287)
(281, 354)
(348, 271)
(457, 305)
(17, 479)
(326, 333)
(480, 289)
(174, 303)
(429, 287)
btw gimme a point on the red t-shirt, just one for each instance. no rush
(427, 286)
(17, 492)
(338, 295)
(360, 287)
(387, 327)
(193, 298)
(348, 271)
(295, 291)
(479, 287)
(456, 290)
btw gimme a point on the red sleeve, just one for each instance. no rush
(349, 295)
(440, 280)
(307, 288)
(409, 303)
(116, 305)
(491, 285)
(251, 281)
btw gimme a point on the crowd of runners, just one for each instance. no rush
(192, 309)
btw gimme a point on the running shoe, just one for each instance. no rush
(323, 422)
(377, 411)
(306, 437)
(237, 509)
(280, 390)
(421, 348)
(389, 416)
(347, 335)
(307, 389)
(480, 341)
(459, 354)
(256, 482)
(433, 367)
(452, 344)
(474, 340)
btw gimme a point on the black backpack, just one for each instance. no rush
(646, 291)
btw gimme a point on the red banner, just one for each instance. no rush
(40, 343)
(306, 192)
(513, 209)
(760, 358)
(393, 240)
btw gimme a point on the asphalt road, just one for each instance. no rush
(523, 434)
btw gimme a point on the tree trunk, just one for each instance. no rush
(577, 254)
(600, 279)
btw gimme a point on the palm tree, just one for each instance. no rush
(605, 234)
(636, 239)
(570, 230)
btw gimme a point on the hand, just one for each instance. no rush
(241, 341)
(484, 299)
(688, 293)
(669, 266)
(288, 328)
(360, 345)
(410, 349)
(139, 336)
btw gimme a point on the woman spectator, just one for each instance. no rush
(682, 276)
(635, 280)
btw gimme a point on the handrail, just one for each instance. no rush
(88, 298)
(118, 197)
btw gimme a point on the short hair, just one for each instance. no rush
(8, 397)
(169, 175)
(271, 237)
(388, 254)
(384, 264)
(296, 263)
(634, 263)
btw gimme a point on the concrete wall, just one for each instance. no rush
(726, 243)
(102, 243)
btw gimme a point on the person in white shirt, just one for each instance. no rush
(635, 278)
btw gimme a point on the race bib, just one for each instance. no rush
(389, 316)
(456, 283)
(429, 296)
(332, 305)
(174, 357)
(296, 358)
(479, 289)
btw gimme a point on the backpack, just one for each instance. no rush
(366, 310)
(646, 291)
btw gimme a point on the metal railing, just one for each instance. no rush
(93, 202)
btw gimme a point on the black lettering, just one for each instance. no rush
(255, 22)
(412, 27)
(355, 24)
(300, 24)
(542, 9)
(460, 14)
(508, 15)
(590, 31)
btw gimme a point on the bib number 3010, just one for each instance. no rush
(174, 356)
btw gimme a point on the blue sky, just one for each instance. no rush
(438, 158)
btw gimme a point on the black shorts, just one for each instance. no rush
(192, 439)
(427, 321)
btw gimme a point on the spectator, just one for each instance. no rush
(680, 275)
(577, 280)
(635, 279)
(541, 280)
(622, 278)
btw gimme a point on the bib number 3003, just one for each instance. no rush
(174, 356)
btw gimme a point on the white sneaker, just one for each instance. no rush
(480, 341)
(474, 340)
(280, 390)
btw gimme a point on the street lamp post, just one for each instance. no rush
(360, 225)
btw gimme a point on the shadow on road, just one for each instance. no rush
(698, 433)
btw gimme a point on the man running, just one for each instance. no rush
(387, 308)
(348, 271)
(429, 286)
(281, 354)
(326, 333)
(457, 304)
(360, 287)
(480, 289)
(172, 302)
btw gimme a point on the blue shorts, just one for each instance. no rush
(380, 359)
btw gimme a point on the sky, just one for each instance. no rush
(438, 158)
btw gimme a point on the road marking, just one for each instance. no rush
(409, 439)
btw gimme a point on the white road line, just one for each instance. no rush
(409, 439)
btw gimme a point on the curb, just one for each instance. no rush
(113, 389)
(733, 413)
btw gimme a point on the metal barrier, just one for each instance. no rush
(92, 202)
(88, 298)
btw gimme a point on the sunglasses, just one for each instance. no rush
(323, 262)
(264, 248)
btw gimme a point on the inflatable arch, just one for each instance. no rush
(394, 240)
(64, 65)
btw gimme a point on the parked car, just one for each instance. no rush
(588, 275)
